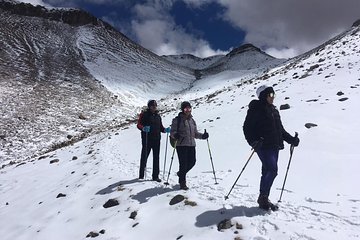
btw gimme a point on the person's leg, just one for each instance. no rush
(156, 153)
(191, 158)
(143, 159)
(269, 159)
(182, 155)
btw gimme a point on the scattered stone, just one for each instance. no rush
(72, 172)
(310, 125)
(60, 195)
(286, 98)
(111, 203)
(237, 238)
(82, 117)
(340, 93)
(179, 237)
(92, 234)
(284, 107)
(135, 225)
(239, 226)
(42, 157)
(224, 224)
(2, 136)
(314, 67)
(20, 164)
(90, 152)
(133, 215)
(343, 99)
(102, 231)
(54, 161)
(321, 59)
(178, 198)
(69, 136)
(312, 100)
(7, 204)
(40, 203)
(74, 158)
(190, 203)
(116, 133)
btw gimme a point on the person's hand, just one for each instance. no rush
(256, 145)
(205, 135)
(146, 129)
(295, 141)
(167, 130)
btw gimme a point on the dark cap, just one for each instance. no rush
(185, 105)
(151, 103)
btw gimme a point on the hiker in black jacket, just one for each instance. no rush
(151, 127)
(264, 131)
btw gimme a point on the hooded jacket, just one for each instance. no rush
(263, 121)
(186, 129)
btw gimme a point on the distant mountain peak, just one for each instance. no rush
(244, 48)
(356, 23)
(73, 17)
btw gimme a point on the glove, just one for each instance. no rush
(295, 141)
(177, 136)
(146, 129)
(167, 130)
(256, 145)
(205, 135)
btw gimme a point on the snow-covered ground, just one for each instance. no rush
(321, 199)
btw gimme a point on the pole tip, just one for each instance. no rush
(226, 197)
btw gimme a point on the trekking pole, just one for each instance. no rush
(212, 164)
(167, 140)
(288, 166)
(252, 153)
(172, 158)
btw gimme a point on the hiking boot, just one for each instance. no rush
(263, 202)
(156, 179)
(183, 186)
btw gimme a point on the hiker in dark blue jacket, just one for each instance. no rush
(264, 131)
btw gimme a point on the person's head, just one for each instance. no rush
(186, 108)
(266, 94)
(152, 105)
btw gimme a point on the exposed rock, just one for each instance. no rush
(310, 125)
(178, 198)
(60, 195)
(312, 100)
(356, 23)
(111, 203)
(340, 93)
(343, 99)
(314, 67)
(321, 59)
(69, 136)
(92, 234)
(42, 157)
(54, 161)
(224, 224)
(102, 231)
(133, 215)
(190, 203)
(135, 225)
(284, 107)
(82, 117)
(239, 226)
(179, 237)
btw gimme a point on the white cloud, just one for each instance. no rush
(156, 30)
(290, 25)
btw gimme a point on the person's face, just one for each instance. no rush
(187, 111)
(153, 107)
(270, 98)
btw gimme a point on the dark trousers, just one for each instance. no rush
(269, 170)
(147, 146)
(187, 160)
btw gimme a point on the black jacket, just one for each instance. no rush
(263, 121)
(147, 118)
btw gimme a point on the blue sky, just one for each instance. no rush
(282, 28)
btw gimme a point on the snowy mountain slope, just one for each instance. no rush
(54, 64)
(191, 61)
(320, 200)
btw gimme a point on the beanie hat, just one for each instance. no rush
(263, 90)
(185, 105)
(151, 103)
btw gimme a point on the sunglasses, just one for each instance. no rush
(187, 109)
(272, 95)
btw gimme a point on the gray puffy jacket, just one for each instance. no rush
(187, 130)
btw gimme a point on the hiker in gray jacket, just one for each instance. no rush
(184, 131)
